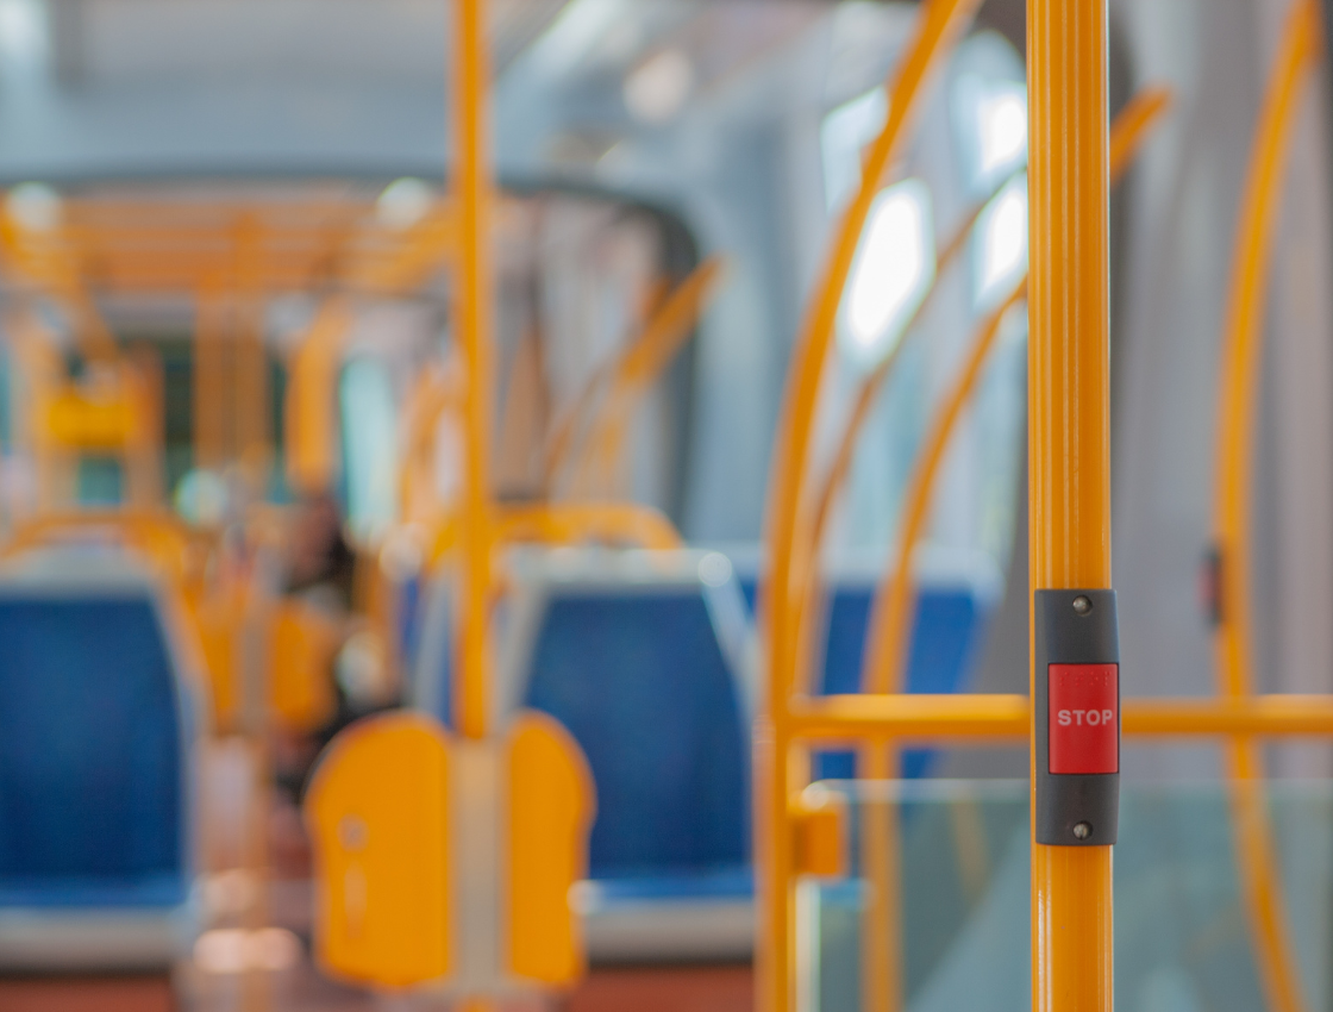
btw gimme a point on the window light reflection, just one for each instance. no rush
(893, 269)
(370, 448)
(1002, 123)
(655, 91)
(1004, 241)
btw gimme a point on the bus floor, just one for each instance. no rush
(643, 989)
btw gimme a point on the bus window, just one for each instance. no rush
(370, 447)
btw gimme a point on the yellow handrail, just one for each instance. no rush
(57, 273)
(428, 242)
(868, 390)
(1132, 127)
(940, 23)
(886, 631)
(884, 660)
(570, 523)
(603, 452)
(886, 636)
(1237, 411)
(889, 628)
(310, 405)
(161, 536)
(565, 524)
(252, 429)
(902, 717)
(165, 245)
(210, 375)
(633, 371)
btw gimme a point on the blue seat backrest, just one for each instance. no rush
(639, 678)
(946, 636)
(92, 796)
(432, 667)
(749, 584)
(412, 597)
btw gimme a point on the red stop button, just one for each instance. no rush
(1084, 718)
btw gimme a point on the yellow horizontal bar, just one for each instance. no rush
(999, 717)
(909, 716)
(1263, 716)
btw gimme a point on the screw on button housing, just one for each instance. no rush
(1083, 830)
(353, 832)
(1082, 605)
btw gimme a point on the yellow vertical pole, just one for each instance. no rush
(251, 406)
(211, 374)
(310, 408)
(472, 313)
(142, 376)
(1238, 404)
(1069, 434)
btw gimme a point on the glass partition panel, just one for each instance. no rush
(962, 874)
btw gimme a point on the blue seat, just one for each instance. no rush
(96, 731)
(955, 597)
(645, 663)
(410, 615)
(642, 656)
(947, 633)
(638, 677)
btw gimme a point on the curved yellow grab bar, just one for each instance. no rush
(160, 536)
(884, 658)
(882, 669)
(51, 264)
(939, 26)
(869, 388)
(644, 362)
(570, 523)
(1237, 411)
(567, 523)
(633, 371)
(1133, 126)
(411, 260)
(789, 515)
(887, 628)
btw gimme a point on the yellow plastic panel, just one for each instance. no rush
(377, 813)
(76, 420)
(819, 820)
(551, 806)
(304, 643)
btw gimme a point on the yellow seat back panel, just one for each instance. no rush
(377, 814)
(551, 807)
